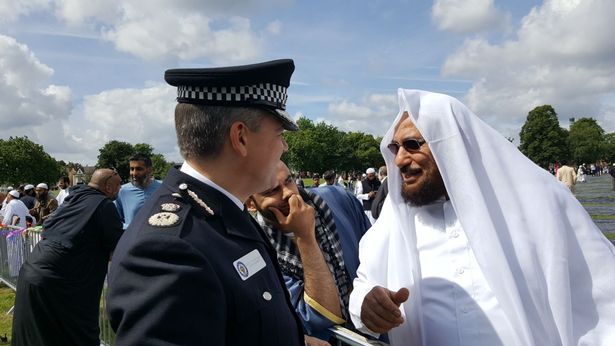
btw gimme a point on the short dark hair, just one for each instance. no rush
(328, 175)
(201, 129)
(64, 179)
(143, 158)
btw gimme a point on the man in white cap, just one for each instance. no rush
(463, 255)
(45, 204)
(366, 191)
(15, 211)
(29, 197)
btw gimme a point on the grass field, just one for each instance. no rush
(7, 298)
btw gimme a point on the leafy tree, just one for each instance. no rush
(314, 147)
(608, 147)
(144, 148)
(23, 161)
(160, 166)
(586, 141)
(364, 151)
(542, 139)
(115, 154)
(319, 147)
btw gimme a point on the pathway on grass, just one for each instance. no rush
(598, 198)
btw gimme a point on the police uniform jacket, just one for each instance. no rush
(189, 271)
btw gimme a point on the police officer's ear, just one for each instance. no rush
(238, 136)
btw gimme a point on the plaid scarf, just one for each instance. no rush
(328, 239)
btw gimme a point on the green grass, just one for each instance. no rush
(610, 236)
(597, 204)
(603, 217)
(7, 298)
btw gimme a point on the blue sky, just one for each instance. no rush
(76, 74)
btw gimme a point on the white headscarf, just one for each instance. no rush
(550, 267)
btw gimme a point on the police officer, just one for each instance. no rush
(193, 268)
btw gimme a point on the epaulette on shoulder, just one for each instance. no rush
(170, 213)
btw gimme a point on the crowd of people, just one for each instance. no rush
(458, 240)
(28, 205)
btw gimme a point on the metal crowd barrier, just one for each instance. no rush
(16, 244)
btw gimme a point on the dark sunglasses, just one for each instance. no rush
(410, 144)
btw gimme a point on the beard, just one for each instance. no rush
(427, 191)
(139, 181)
(270, 217)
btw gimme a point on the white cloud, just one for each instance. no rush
(219, 31)
(128, 115)
(563, 56)
(11, 10)
(44, 112)
(374, 114)
(468, 16)
(182, 30)
(27, 98)
(76, 12)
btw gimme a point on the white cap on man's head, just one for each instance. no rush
(370, 170)
(28, 187)
(42, 186)
(14, 193)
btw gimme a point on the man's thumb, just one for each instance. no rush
(400, 296)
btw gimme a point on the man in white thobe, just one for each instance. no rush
(15, 211)
(463, 255)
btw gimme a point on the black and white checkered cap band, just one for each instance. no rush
(272, 94)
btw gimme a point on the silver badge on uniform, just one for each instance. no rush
(164, 219)
(170, 207)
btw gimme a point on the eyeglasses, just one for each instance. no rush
(410, 144)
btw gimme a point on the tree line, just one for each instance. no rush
(24, 161)
(318, 147)
(545, 142)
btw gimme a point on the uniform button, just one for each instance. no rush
(267, 296)
(183, 186)
(464, 310)
(455, 234)
(460, 271)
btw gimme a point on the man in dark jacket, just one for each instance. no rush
(366, 192)
(59, 286)
(382, 193)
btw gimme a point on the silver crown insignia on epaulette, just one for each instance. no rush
(163, 219)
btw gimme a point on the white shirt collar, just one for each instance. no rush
(186, 168)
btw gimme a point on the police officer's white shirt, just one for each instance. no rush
(186, 168)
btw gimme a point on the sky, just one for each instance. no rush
(76, 74)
